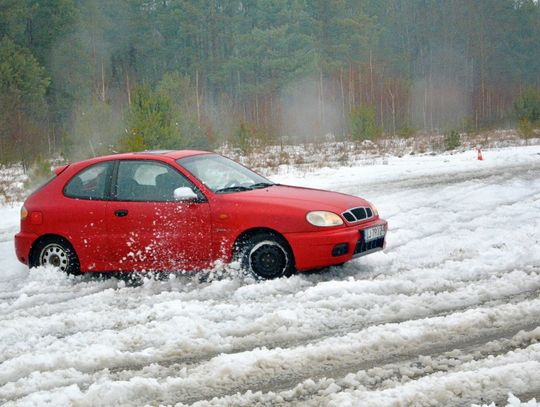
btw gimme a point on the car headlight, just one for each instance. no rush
(324, 218)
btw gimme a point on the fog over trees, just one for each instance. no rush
(85, 77)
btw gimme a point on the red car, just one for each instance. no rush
(171, 210)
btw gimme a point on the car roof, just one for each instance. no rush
(173, 154)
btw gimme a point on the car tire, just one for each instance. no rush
(56, 252)
(266, 256)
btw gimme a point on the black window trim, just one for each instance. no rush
(114, 181)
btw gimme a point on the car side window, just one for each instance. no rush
(144, 180)
(90, 183)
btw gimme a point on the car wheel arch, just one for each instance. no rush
(244, 237)
(32, 257)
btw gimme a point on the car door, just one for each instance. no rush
(149, 229)
(83, 213)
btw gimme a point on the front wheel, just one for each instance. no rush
(56, 252)
(266, 256)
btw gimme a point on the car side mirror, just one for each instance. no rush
(184, 194)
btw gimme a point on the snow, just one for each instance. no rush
(448, 314)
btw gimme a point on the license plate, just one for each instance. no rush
(373, 233)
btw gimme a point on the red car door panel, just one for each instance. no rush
(160, 235)
(148, 229)
(81, 217)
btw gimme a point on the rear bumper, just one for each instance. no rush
(23, 245)
(314, 249)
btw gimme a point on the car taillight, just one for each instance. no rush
(36, 218)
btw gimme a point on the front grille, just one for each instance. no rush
(358, 214)
(362, 246)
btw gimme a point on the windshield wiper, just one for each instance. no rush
(236, 188)
(259, 185)
(239, 188)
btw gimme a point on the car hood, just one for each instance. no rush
(307, 199)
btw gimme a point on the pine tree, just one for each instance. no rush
(23, 83)
(150, 122)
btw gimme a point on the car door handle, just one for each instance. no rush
(121, 212)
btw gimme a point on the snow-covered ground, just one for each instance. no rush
(448, 314)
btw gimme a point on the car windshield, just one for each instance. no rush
(222, 175)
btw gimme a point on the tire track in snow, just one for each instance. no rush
(227, 374)
(386, 374)
(307, 340)
(328, 370)
(341, 322)
(164, 368)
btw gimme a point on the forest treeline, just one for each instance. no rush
(84, 77)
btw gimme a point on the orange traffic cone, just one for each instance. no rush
(480, 158)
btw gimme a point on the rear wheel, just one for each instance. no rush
(56, 252)
(266, 256)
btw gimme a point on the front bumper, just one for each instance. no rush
(315, 249)
(23, 245)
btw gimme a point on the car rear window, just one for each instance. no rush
(91, 183)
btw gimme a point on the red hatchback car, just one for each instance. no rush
(185, 210)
